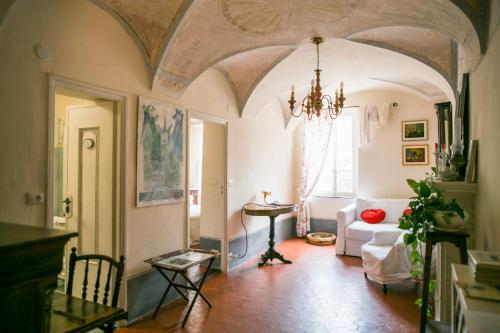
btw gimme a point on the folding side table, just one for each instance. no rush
(178, 262)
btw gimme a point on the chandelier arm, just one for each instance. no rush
(298, 114)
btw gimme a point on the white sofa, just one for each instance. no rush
(353, 232)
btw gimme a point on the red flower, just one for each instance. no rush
(407, 212)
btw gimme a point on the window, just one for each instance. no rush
(339, 175)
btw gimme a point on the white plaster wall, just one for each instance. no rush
(260, 152)
(88, 45)
(485, 124)
(380, 170)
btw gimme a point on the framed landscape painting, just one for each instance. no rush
(160, 153)
(415, 154)
(414, 130)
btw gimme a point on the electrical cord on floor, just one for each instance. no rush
(272, 204)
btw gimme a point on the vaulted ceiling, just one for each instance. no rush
(249, 39)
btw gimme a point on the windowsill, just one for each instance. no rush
(325, 195)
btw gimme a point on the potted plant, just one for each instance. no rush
(428, 208)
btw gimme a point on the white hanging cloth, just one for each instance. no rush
(384, 114)
(366, 114)
(378, 114)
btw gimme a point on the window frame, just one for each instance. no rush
(333, 193)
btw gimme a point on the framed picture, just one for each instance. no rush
(415, 154)
(414, 130)
(160, 153)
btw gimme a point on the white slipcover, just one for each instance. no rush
(385, 257)
(352, 232)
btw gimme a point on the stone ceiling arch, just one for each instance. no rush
(431, 47)
(179, 39)
(361, 67)
(210, 36)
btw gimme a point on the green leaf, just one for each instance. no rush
(432, 285)
(409, 238)
(414, 255)
(405, 225)
(413, 185)
(425, 191)
(418, 302)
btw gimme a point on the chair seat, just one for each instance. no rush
(363, 231)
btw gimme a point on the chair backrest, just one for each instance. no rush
(119, 266)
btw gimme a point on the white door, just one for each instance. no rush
(213, 183)
(89, 186)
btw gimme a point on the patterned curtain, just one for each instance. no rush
(316, 138)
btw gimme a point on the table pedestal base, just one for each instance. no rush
(271, 253)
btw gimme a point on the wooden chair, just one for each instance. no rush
(119, 266)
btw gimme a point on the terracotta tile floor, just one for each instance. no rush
(319, 292)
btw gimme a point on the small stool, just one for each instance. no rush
(432, 237)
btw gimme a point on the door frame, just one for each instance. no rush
(222, 121)
(120, 106)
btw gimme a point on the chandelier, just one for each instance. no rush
(316, 101)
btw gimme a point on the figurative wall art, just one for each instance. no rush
(415, 154)
(415, 130)
(160, 153)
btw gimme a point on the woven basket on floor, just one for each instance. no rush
(321, 238)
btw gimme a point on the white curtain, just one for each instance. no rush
(316, 137)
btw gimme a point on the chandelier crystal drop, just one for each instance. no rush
(316, 101)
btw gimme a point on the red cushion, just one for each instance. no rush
(373, 215)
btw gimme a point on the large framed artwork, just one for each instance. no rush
(415, 154)
(160, 153)
(414, 130)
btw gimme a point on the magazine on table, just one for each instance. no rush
(185, 260)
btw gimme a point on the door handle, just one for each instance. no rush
(68, 207)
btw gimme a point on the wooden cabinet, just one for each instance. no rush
(30, 259)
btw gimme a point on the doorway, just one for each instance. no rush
(85, 172)
(207, 165)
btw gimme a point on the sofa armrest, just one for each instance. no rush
(345, 216)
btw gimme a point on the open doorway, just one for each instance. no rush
(84, 191)
(206, 221)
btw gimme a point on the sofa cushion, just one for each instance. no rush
(363, 231)
(393, 208)
(373, 215)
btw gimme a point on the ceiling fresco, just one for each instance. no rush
(246, 39)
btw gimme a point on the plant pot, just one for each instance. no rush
(447, 220)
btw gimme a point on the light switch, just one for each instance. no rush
(230, 183)
(34, 199)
